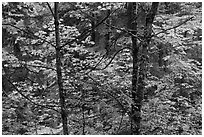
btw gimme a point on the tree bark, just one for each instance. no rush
(140, 57)
(132, 25)
(59, 73)
(143, 61)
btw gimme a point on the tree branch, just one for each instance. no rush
(112, 58)
(128, 31)
(105, 89)
(47, 106)
(29, 33)
(151, 14)
(50, 9)
(97, 64)
(88, 31)
(174, 26)
(93, 68)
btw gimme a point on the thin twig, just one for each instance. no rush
(47, 106)
(174, 26)
(88, 31)
(50, 9)
(29, 33)
(97, 64)
(128, 31)
(102, 22)
(105, 90)
(113, 58)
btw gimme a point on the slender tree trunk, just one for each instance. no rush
(145, 43)
(144, 52)
(139, 55)
(132, 24)
(59, 73)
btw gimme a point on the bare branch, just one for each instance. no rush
(93, 68)
(29, 33)
(102, 86)
(128, 31)
(113, 58)
(174, 26)
(50, 9)
(97, 64)
(106, 91)
(88, 31)
(47, 106)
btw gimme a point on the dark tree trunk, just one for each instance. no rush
(144, 54)
(139, 55)
(108, 34)
(59, 73)
(132, 25)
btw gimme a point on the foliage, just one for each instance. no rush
(96, 77)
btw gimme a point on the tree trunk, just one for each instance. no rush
(139, 50)
(144, 53)
(59, 73)
(132, 25)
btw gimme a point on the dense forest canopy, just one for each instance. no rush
(102, 68)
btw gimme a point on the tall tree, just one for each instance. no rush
(59, 72)
(135, 118)
(139, 22)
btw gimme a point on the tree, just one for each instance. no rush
(139, 56)
(59, 72)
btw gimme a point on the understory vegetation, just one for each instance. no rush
(101, 68)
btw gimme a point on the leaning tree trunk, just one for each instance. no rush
(59, 73)
(139, 23)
